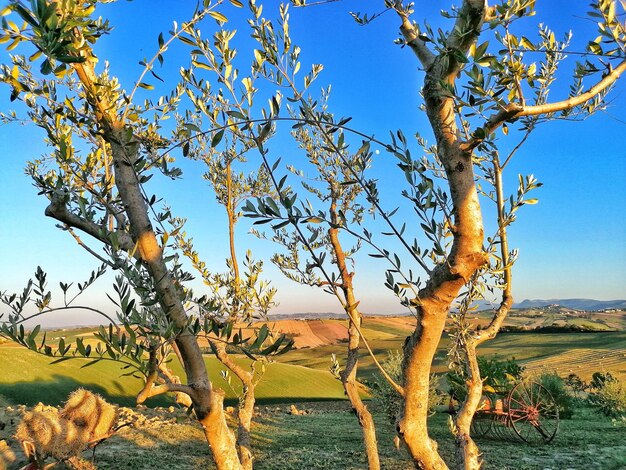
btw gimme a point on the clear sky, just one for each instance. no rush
(572, 244)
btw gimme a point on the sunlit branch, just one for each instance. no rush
(68, 307)
(515, 110)
(412, 39)
(57, 209)
(87, 248)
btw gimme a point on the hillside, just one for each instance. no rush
(536, 344)
(24, 373)
(322, 331)
(560, 317)
(577, 304)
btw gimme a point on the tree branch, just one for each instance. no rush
(465, 32)
(412, 39)
(150, 390)
(242, 374)
(67, 307)
(515, 110)
(89, 250)
(574, 101)
(507, 295)
(57, 209)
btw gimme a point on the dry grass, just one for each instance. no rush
(7, 456)
(64, 434)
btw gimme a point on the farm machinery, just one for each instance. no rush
(527, 412)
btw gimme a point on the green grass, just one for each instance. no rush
(303, 374)
(28, 378)
(329, 438)
(530, 349)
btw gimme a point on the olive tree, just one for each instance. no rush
(478, 82)
(238, 297)
(479, 79)
(105, 147)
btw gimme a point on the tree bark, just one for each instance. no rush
(245, 410)
(350, 385)
(466, 255)
(348, 375)
(468, 455)
(207, 402)
(218, 435)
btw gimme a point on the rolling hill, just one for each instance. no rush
(577, 304)
(539, 339)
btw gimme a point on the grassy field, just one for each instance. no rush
(580, 353)
(329, 438)
(28, 378)
(303, 373)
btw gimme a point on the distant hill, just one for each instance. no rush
(577, 304)
(306, 316)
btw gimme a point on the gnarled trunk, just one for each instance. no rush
(348, 375)
(207, 402)
(350, 385)
(245, 410)
(218, 435)
(446, 280)
(419, 350)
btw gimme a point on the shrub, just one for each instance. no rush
(497, 375)
(565, 401)
(387, 399)
(64, 434)
(608, 395)
(577, 385)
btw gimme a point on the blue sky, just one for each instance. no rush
(571, 243)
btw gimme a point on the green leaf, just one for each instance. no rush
(25, 14)
(61, 359)
(236, 114)
(217, 138)
(261, 337)
(459, 56)
(145, 85)
(280, 225)
(218, 16)
(46, 67)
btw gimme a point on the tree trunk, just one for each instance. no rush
(419, 350)
(218, 435)
(350, 385)
(245, 412)
(468, 455)
(348, 375)
(245, 409)
(207, 403)
(447, 279)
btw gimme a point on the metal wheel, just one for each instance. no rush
(481, 424)
(533, 413)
